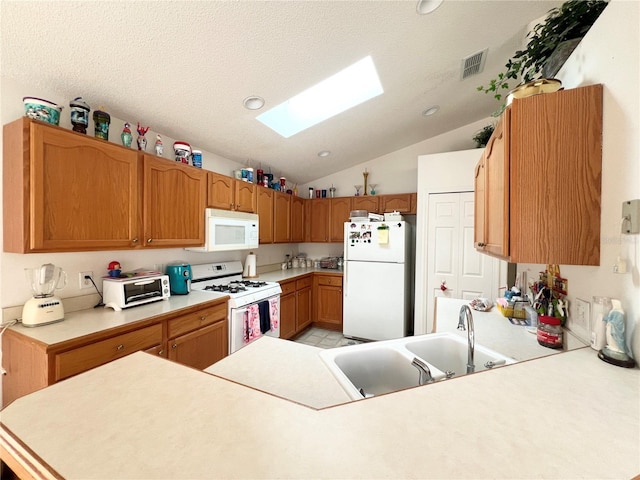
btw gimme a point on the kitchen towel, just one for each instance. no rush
(252, 323)
(275, 314)
(265, 316)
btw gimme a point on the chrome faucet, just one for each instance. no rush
(424, 371)
(465, 313)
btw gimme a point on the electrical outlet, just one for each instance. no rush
(85, 282)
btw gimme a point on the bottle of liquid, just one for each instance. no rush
(600, 309)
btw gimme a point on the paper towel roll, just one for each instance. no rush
(250, 266)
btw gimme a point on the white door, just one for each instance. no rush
(455, 268)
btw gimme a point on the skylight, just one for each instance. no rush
(346, 89)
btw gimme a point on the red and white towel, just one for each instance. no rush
(273, 309)
(251, 324)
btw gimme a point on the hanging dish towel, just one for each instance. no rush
(265, 316)
(253, 323)
(275, 315)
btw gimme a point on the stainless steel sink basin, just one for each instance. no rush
(376, 368)
(449, 354)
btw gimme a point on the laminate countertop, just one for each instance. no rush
(141, 417)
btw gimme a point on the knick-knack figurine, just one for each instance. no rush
(126, 136)
(159, 146)
(79, 114)
(101, 120)
(142, 141)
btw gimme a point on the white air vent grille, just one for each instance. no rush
(473, 64)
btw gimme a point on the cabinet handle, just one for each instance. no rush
(149, 240)
(120, 347)
(135, 240)
(160, 353)
(231, 206)
(480, 244)
(174, 346)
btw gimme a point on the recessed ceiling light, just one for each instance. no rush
(350, 87)
(324, 153)
(425, 7)
(430, 110)
(253, 102)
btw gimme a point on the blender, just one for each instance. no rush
(44, 308)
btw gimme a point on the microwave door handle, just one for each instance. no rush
(146, 282)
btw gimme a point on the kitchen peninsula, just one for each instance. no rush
(145, 417)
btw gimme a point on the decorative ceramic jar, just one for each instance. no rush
(126, 136)
(142, 141)
(79, 115)
(182, 151)
(41, 109)
(101, 120)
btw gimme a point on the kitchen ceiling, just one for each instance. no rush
(185, 67)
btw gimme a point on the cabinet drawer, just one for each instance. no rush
(330, 280)
(288, 287)
(195, 320)
(90, 356)
(304, 282)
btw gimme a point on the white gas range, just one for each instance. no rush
(246, 297)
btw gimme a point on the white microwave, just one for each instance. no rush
(229, 230)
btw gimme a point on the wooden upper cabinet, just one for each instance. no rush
(64, 191)
(366, 202)
(174, 197)
(281, 217)
(229, 193)
(543, 168)
(340, 211)
(264, 209)
(297, 219)
(399, 202)
(319, 219)
(479, 227)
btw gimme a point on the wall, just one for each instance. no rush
(609, 54)
(13, 285)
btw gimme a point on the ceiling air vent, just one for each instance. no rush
(473, 64)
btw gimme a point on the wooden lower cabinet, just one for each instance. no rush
(197, 337)
(295, 306)
(328, 301)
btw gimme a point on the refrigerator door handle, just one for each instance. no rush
(345, 276)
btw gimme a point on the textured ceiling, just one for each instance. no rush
(184, 67)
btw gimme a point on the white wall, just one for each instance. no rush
(13, 285)
(609, 54)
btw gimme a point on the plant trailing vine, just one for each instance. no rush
(569, 21)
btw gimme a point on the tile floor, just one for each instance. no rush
(319, 337)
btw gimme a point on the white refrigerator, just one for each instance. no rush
(376, 290)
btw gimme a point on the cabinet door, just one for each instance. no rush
(245, 196)
(174, 197)
(201, 348)
(340, 210)
(297, 219)
(288, 315)
(303, 308)
(220, 191)
(84, 193)
(319, 221)
(282, 217)
(368, 203)
(479, 226)
(497, 189)
(400, 202)
(264, 209)
(329, 305)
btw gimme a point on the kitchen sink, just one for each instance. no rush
(375, 368)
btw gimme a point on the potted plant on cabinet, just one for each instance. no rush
(550, 44)
(482, 136)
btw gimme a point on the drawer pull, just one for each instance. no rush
(481, 244)
(149, 240)
(174, 346)
(135, 240)
(120, 347)
(161, 353)
(203, 318)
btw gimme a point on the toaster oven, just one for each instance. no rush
(119, 293)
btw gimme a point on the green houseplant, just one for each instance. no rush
(569, 22)
(482, 137)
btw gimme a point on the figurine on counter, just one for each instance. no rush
(159, 146)
(114, 269)
(142, 141)
(126, 135)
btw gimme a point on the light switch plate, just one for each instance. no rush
(579, 322)
(631, 216)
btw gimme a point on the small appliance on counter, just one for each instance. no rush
(179, 278)
(44, 308)
(131, 291)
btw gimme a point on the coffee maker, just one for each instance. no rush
(44, 308)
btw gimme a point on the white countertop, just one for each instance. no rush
(290, 370)
(283, 275)
(86, 322)
(562, 416)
